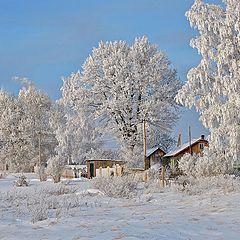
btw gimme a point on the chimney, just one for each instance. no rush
(202, 137)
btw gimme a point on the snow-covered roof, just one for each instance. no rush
(182, 147)
(77, 166)
(113, 160)
(152, 150)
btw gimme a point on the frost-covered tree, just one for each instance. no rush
(37, 107)
(76, 133)
(122, 85)
(213, 86)
(157, 137)
(26, 136)
(14, 149)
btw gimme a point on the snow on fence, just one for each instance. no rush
(116, 170)
(139, 174)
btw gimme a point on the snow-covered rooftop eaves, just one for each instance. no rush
(113, 160)
(182, 147)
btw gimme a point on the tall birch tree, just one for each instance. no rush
(213, 86)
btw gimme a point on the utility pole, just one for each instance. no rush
(189, 137)
(146, 162)
(39, 150)
(41, 167)
(163, 176)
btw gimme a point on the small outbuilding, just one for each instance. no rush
(154, 156)
(104, 167)
(74, 171)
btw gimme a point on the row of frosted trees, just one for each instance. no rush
(122, 85)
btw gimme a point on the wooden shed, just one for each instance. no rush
(108, 166)
(154, 155)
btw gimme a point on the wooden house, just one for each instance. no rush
(196, 147)
(104, 167)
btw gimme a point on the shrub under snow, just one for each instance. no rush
(210, 164)
(55, 168)
(187, 164)
(220, 184)
(206, 175)
(38, 211)
(21, 181)
(2, 175)
(213, 164)
(117, 187)
(52, 201)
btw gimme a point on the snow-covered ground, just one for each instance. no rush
(167, 215)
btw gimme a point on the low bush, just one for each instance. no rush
(156, 174)
(22, 181)
(2, 175)
(117, 187)
(55, 168)
(58, 189)
(221, 184)
(40, 203)
(208, 165)
(187, 164)
(38, 211)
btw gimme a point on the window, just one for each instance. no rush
(201, 146)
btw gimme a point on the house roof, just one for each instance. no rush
(183, 147)
(77, 166)
(152, 150)
(112, 160)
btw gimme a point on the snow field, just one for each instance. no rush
(76, 210)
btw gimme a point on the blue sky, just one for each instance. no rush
(44, 40)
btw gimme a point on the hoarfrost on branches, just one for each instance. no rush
(55, 167)
(213, 86)
(118, 187)
(122, 85)
(76, 132)
(187, 164)
(24, 126)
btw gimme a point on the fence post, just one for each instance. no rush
(163, 177)
(145, 176)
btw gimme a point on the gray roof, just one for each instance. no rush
(152, 150)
